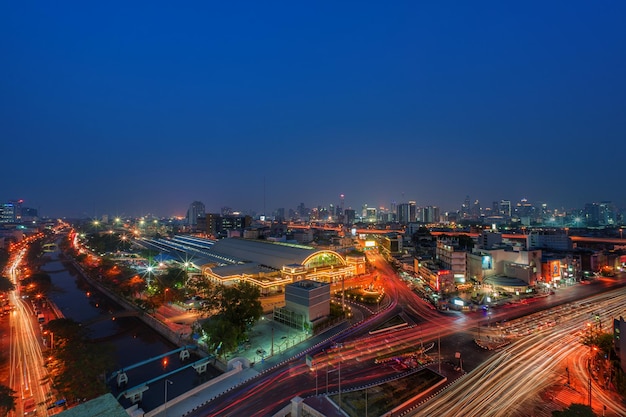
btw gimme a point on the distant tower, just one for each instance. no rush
(465, 208)
(196, 209)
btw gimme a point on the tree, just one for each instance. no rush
(238, 308)
(575, 410)
(201, 286)
(7, 400)
(241, 306)
(38, 283)
(173, 282)
(4, 257)
(135, 285)
(77, 364)
(6, 284)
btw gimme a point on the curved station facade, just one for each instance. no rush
(272, 265)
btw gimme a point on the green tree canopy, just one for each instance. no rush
(38, 283)
(238, 308)
(78, 365)
(6, 284)
(240, 305)
(7, 400)
(575, 410)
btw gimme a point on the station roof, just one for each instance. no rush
(272, 254)
(506, 281)
(238, 269)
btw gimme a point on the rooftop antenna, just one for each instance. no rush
(264, 196)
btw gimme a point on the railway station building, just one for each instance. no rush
(272, 265)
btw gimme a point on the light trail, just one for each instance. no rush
(27, 376)
(503, 385)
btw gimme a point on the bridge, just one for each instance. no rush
(366, 231)
(522, 237)
(135, 393)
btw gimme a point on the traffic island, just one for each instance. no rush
(390, 396)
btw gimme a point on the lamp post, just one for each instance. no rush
(167, 381)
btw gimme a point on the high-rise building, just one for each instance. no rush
(218, 226)
(465, 208)
(8, 213)
(505, 208)
(476, 211)
(431, 214)
(350, 216)
(592, 214)
(607, 214)
(279, 215)
(406, 212)
(196, 209)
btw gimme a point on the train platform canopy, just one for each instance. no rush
(250, 268)
(506, 282)
(163, 257)
(272, 254)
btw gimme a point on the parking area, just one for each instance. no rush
(269, 338)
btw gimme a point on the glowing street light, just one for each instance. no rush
(167, 381)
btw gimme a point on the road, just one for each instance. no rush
(28, 376)
(548, 342)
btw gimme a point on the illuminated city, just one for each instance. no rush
(289, 209)
(337, 305)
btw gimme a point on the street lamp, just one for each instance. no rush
(167, 381)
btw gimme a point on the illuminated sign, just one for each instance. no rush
(370, 243)
(487, 262)
(458, 302)
(555, 268)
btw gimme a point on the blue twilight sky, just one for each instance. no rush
(129, 108)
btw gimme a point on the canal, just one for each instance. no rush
(131, 340)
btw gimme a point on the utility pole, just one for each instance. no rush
(590, 392)
(439, 350)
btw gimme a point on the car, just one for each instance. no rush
(29, 407)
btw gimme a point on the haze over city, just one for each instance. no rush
(129, 109)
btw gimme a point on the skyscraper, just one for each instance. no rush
(407, 212)
(196, 209)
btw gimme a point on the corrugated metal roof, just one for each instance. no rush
(272, 254)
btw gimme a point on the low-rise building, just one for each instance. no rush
(306, 302)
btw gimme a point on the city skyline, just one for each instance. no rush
(124, 109)
(467, 209)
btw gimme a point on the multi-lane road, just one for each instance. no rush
(511, 381)
(28, 377)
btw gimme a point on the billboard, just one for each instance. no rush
(487, 262)
(555, 269)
